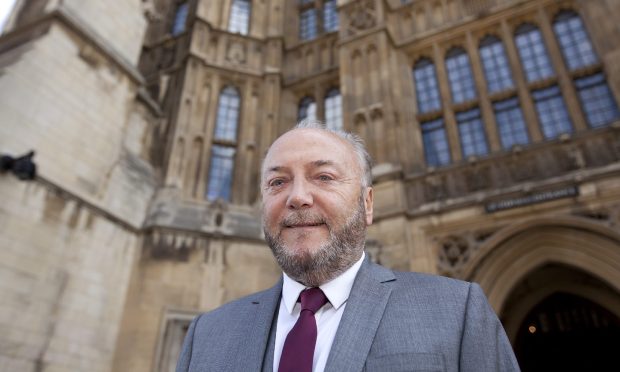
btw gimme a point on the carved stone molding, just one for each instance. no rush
(583, 157)
(171, 245)
(236, 52)
(608, 215)
(361, 16)
(455, 250)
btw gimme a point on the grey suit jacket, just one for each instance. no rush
(393, 321)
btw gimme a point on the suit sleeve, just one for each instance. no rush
(186, 353)
(484, 344)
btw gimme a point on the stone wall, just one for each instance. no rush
(69, 239)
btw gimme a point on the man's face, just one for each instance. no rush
(315, 211)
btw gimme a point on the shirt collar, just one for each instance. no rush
(337, 290)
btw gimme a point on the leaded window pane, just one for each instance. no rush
(596, 100)
(436, 147)
(307, 109)
(495, 64)
(427, 89)
(330, 16)
(552, 112)
(473, 139)
(533, 53)
(180, 17)
(239, 20)
(574, 41)
(510, 122)
(307, 24)
(220, 172)
(333, 110)
(227, 115)
(460, 76)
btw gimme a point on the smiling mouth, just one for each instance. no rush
(304, 225)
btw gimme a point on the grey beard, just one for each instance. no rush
(339, 253)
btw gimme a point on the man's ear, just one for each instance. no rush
(368, 205)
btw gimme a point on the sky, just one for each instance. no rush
(5, 9)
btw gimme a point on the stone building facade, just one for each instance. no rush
(494, 126)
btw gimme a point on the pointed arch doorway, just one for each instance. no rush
(562, 319)
(555, 283)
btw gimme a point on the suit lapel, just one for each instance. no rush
(261, 311)
(362, 315)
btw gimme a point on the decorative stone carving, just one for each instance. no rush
(454, 251)
(236, 52)
(577, 158)
(493, 175)
(361, 16)
(435, 187)
(162, 245)
(609, 215)
(477, 178)
(150, 11)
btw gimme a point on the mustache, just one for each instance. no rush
(303, 219)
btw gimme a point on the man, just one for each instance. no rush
(334, 310)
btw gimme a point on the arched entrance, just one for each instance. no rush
(562, 319)
(568, 333)
(555, 283)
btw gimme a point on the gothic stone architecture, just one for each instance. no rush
(494, 126)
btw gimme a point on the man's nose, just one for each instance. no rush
(300, 196)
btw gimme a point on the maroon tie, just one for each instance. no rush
(298, 349)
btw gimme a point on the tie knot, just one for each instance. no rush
(312, 299)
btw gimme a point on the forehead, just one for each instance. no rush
(308, 146)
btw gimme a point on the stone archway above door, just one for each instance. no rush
(514, 252)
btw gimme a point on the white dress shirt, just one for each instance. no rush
(327, 318)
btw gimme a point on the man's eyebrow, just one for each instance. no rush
(322, 163)
(276, 169)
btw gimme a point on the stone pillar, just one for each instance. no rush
(486, 106)
(446, 103)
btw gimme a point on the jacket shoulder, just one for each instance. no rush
(232, 309)
(430, 280)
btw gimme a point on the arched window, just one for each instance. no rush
(307, 109)
(239, 20)
(460, 76)
(436, 148)
(330, 16)
(574, 41)
(533, 53)
(224, 145)
(333, 109)
(180, 17)
(426, 87)
(471, 131)
(495, 64)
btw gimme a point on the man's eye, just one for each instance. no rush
(325, 177)
(276, 183)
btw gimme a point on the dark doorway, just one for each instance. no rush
(565, 332)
